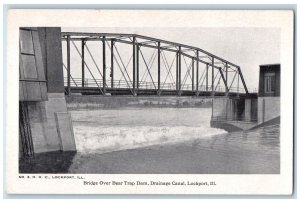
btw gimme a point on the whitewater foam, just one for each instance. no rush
(114, 138)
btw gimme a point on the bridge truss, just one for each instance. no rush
(132, 64)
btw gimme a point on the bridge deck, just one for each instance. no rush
(152, 92)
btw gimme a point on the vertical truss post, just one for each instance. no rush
(243, 81)
(104, 64)
(68, 66)
(193, 77)
(226, 79)
(82, 62)
(133, 66)
(137, 66)
(226, 74)
(212, 76)
(206, 87)
(179, 70)
(238, 84)
(158, 66)
(112, 63)
(197, 72)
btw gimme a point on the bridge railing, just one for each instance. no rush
(77, 82)
(88, 82)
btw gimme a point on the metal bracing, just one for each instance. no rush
(133, 65)
(169, 72)
(104, 64)
(242, 78)
(149, 64)
(206, 86)
(93, 59)
(202, 79)
(112, 62)
(193, 63)
(73, 80)
(197, 72)
(179, 70)
(232, 81)
(158, 67)
(148, 68)
(95, 36)
(187, 74)
(137, 66)
(136, 81)
(122, 72)
(212, 77)
(125, 67)
(82, 62)
(68, 66)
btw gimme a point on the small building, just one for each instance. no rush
(44, 122)
(269, 93)
(269, 80)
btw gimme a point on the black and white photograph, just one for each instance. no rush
(126, 99)
(116, 102)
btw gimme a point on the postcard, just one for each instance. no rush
(149, 102)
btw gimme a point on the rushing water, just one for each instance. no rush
(115, 129)
(122, 140)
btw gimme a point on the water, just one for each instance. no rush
(118, 129)
(168, 140)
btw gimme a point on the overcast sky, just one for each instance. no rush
(246, 47)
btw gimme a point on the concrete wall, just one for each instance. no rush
(225, 108)
(268, 108)
(221, 108)
(234, 114)
(50, 40)
(250, 109)
(47, 131)
(243, 109)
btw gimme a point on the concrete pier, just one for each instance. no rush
(47, 128)
(46, 122)
(234, 114)
(268, 108)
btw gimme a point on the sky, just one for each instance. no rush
(246, 47)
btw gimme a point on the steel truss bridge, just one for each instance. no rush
(132, 64)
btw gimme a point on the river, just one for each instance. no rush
(168, 140)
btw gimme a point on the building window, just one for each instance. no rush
(269, 82)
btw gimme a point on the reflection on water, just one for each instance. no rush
(158, 140)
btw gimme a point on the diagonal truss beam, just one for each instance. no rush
(136, 40)
(88, 68)
(168, 69)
